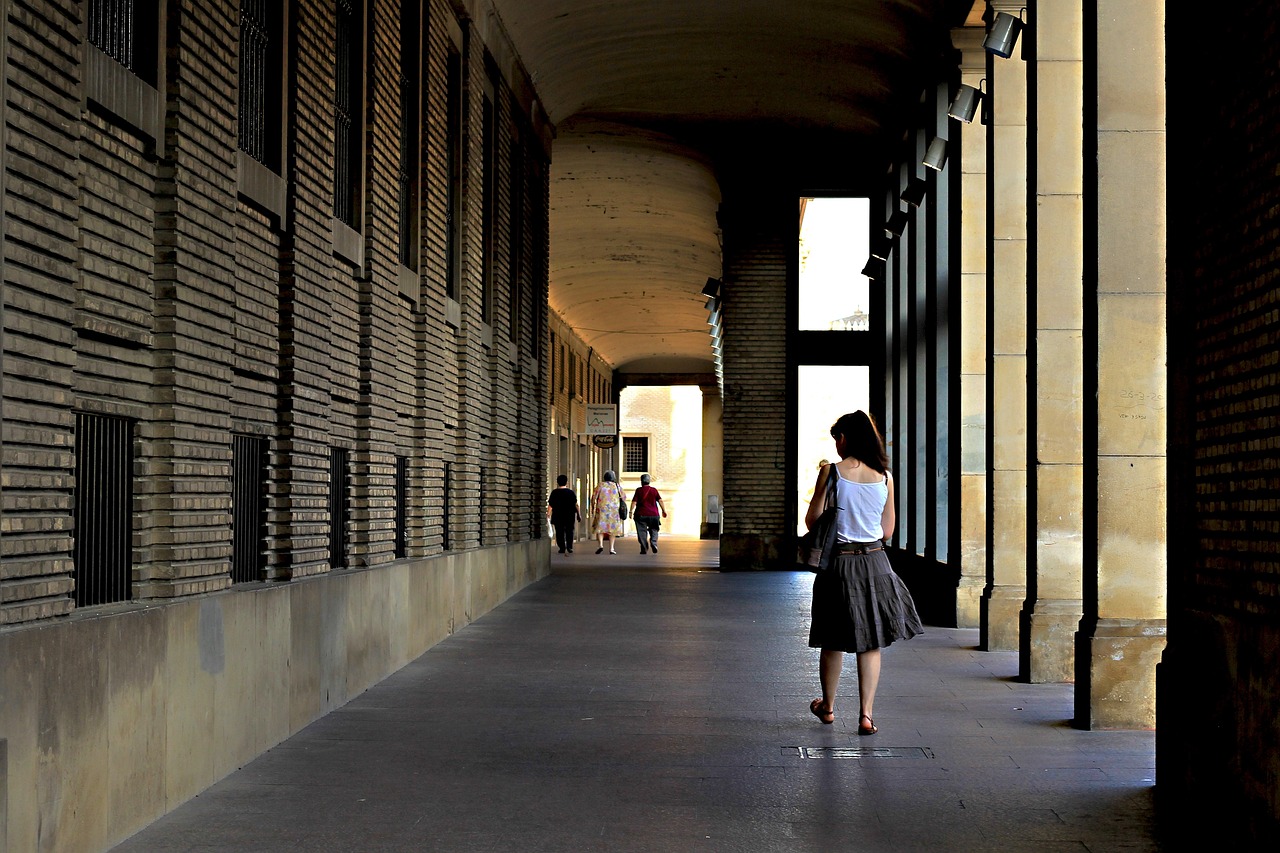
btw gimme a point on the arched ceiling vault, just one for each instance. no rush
(655, 102)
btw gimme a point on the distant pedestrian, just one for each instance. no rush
(646, 503)
(859, 604)
(606, 512)
(562, 510)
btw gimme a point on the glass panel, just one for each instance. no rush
(834, 247)
(824, 393)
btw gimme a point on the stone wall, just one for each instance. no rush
(114, 717)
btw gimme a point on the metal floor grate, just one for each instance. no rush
(912, 752)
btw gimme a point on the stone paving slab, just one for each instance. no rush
(630, 703)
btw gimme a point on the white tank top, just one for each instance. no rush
(861, 508)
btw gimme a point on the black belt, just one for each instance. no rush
(855, 548)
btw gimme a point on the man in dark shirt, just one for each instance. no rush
(562, 509)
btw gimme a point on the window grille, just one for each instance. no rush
(453, 148)
(515, 238)
(347, 107)
(248, 508)
(635, 454)
(255, 49)
(402, 506)
(410, 105)
(339, 507)
(446, 504)
(126, 31)
(102, 513)
(488, 202)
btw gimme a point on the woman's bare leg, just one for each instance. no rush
(830, 664)
(868, 681)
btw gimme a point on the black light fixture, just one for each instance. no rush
(874, 269)
(965, 104)
(914, 193)
(880, 248)
(897, 223)
(1003, 35)
(712, 287)
(936, 156)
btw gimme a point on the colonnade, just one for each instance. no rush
(1063, 352)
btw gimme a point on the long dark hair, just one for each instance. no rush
(862, 440)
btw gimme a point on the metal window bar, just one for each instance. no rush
(248, 508)
(402, 507)
(410, 100)
(255, 47)
(453, 148)
(635, 454)
(445, 505)
(339, 506)
(101, 545)
(110, 29)
(346, 103)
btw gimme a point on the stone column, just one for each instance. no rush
(1122, 634)
(1052, 610)
(973, 339)
(1007, 349)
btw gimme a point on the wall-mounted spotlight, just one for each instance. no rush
(712, 287)
(914, 193)
(965, 104)
(1003, 35)
(897, 223)
(880, 248)
(936, 156)
(874, 269)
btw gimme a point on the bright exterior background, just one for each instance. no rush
(825, 393)
(834, 245)
(671, 418)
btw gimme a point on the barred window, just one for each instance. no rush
(410, 129)
(515, 235)
(102, 513)
(261, 83)
(348, 112)
(339, 506)
(635, 454)
(402, 507)
(127, 31)
(248, 508)
(489, 195)
(453, 156)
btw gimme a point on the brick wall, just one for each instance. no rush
(140, 282)
(759, 239)
(1218, 673)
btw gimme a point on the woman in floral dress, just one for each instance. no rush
(604, 511)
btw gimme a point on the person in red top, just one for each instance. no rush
(646, 503)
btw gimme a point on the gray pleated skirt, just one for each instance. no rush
(860, 604)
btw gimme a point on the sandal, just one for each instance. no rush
(827, 717)
(869, 731)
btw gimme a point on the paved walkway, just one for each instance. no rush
(629, 703)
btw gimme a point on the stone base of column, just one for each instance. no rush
(969, 602)
(1116, 673)
(1046, 650)
(743, 551)
(1001, 606)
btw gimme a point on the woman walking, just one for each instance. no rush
(606, 502)
(859, 604)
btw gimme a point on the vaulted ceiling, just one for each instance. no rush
(654, 100)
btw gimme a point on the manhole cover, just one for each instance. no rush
(862, 752)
